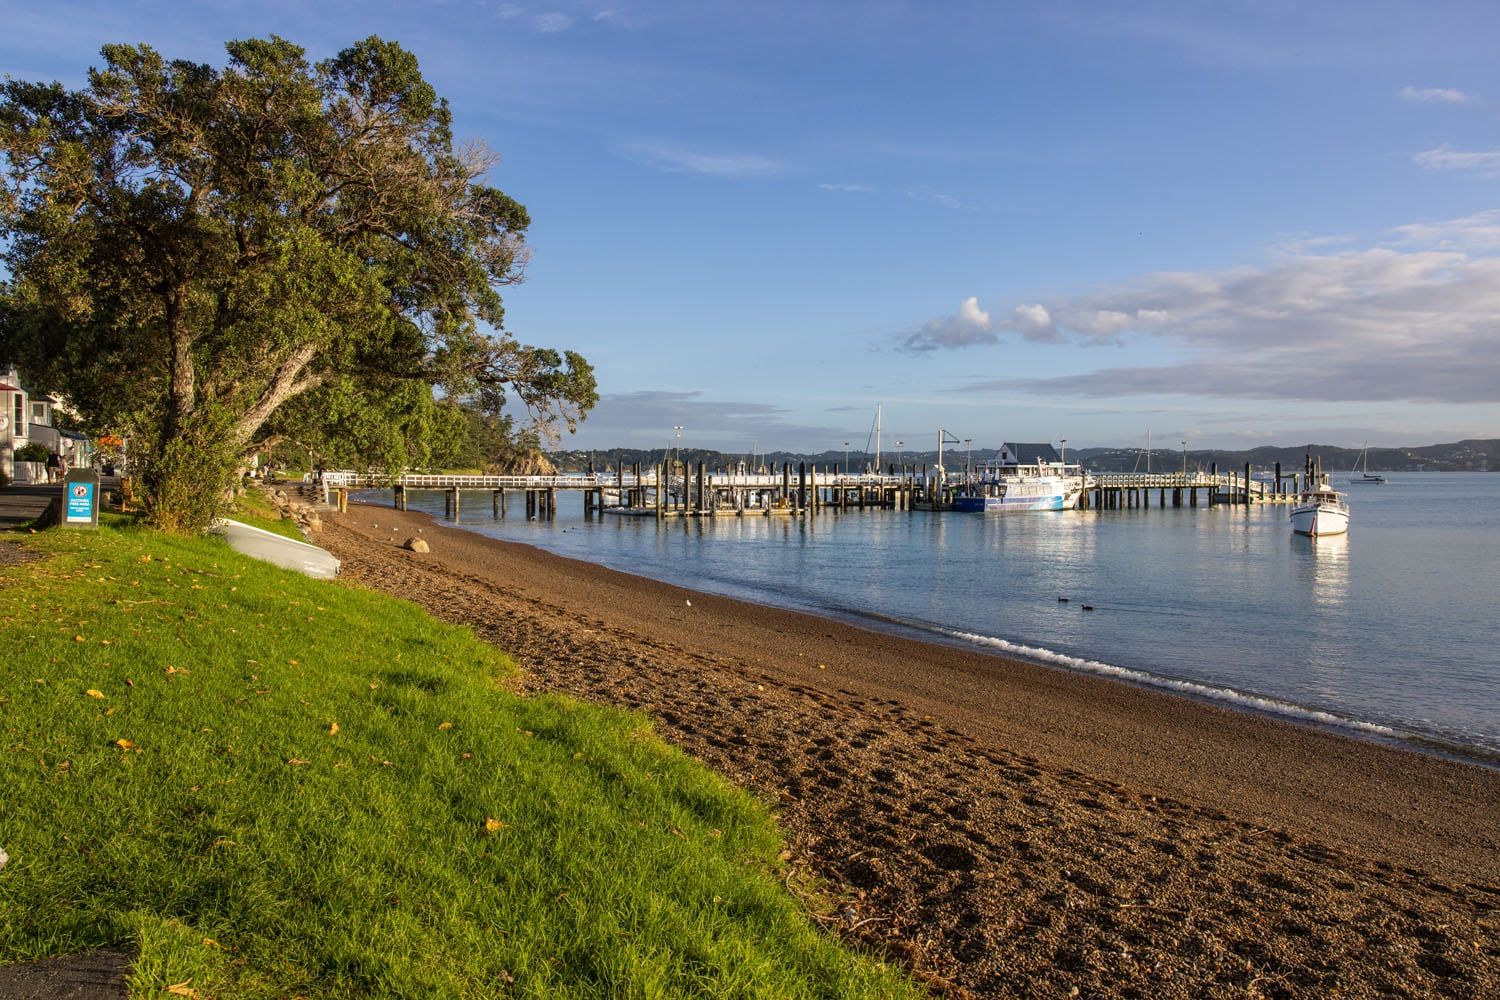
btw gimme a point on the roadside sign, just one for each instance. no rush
(81, 499)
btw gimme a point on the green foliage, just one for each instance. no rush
(31, 451)
(187, 242)
(277, 787)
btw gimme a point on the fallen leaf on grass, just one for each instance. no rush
(94, 693)
(333, 730)
(445, 725)
(79, 638)
(181, 989)
(492, 825)
(124, 744)
(177, 670)
(298, 762)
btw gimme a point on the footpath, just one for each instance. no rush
(21, 504)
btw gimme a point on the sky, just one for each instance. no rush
(1229, 223)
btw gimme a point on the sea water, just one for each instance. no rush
(1390, 630)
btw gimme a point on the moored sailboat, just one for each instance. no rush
(1362, 475)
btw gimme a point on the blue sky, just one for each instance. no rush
(1232, 223)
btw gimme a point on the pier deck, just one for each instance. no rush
(677, 489)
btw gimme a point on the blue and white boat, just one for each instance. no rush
(1025, 477)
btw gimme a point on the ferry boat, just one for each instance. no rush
(1025, 477)
(1320, 509)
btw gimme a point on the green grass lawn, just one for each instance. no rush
(275, 787)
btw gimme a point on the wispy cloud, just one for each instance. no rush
(1481, 161)
(1435, 95)
(937, 198)
(552, 22)
(1412, 318)
(847, 188)
(678, 160)
(1479, 232)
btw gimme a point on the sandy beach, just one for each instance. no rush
(1004, 828)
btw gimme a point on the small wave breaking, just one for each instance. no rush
(1239, 698)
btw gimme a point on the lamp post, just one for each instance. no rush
(1184, 461)
(899, 446)
(968, 458)
(677, 453)
(1064, 451)
(846, 458)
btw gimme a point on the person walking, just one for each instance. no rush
(54, 466)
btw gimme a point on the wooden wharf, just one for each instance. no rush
(680, 489)
(668, 490)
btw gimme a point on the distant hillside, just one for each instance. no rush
(1460, 456)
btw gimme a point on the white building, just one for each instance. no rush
(30, 418)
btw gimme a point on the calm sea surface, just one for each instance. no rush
(1390, 630)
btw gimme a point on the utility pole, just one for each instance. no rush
(677, 454)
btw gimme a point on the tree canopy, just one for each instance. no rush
(210, 258)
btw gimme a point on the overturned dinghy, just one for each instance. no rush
(288, 553)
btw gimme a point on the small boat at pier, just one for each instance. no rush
(1320, 509)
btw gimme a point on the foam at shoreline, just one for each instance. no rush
(1237, 698)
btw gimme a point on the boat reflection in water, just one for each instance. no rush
(1325, 566)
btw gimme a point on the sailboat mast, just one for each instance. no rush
(877, 436)
(1148, 451)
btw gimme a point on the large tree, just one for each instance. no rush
(190, 248)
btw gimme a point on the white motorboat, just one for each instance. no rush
(1320, 509)
(1362, 475)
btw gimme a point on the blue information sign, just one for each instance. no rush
(80, 501)
(80, 507)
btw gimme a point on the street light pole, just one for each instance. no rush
(969, 458)
(846, 458)
(1064, 451)
(899, 446)
(1184, 461)
(677, 454)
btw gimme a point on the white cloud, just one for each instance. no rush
(1033, 321)
(969, 326)
(847, 188)
(1435, 95)
(1484, 162)
(677, 160)
(1414, 316)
